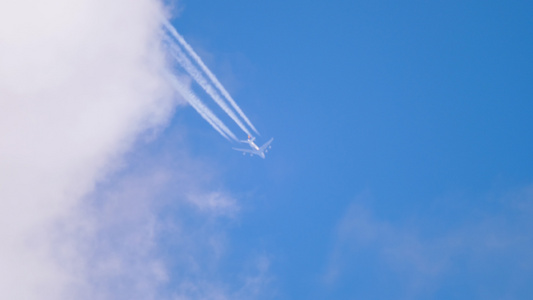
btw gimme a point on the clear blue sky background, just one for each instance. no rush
(401, 166)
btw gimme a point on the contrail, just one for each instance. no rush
(203, 110)
(186, 63)
(206, 70)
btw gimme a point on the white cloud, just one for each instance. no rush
(79, 81)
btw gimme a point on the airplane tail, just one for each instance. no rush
(250, 138)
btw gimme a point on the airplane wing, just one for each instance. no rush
(263, 148)
(245, 150)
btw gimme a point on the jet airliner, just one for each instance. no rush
(259, 151)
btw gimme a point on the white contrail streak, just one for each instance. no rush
(206, 70)
(186, 63)
(203, 110)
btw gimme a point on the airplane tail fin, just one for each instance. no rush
(250, 138)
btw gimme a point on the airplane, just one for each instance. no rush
(259, 151)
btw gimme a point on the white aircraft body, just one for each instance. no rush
(259, 151)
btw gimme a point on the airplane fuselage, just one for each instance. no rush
(253, 145)
(256, 150)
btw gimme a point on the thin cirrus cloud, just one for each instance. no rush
(428, 258)
(80, 82)
(159, 231)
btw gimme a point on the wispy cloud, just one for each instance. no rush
(498, 243)
(140, 236)
(161, 230)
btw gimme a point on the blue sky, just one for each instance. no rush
(401, 164)
(400, 167)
